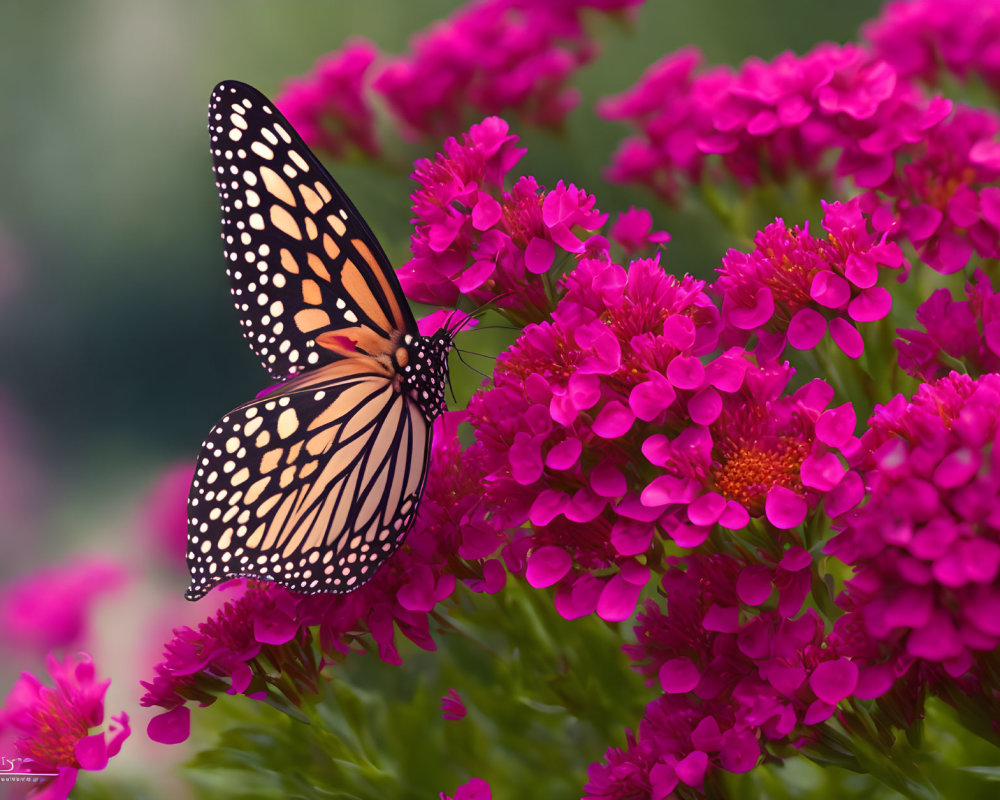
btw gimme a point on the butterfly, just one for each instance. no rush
(317, 481)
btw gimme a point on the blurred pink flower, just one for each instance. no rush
(926, 38)
(163, 515)
(328, 106)
(452, 707)
(55, 724)
(965, 331)
(50, 608)
(794, 115)
(475, 789)
(925, 546)
(942, 195)
(489, 57)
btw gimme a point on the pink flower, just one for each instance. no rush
(794, 288)
(967, 331)
(559, 432)
(739, 666)
(328, 107)
(474, 238)
(490, 57)
(633, 231)
(768, 121)
(55, 725)
(755, 452)
(452, 707)
(925, 38)
(925, 546)
(163, 515)
(475, 789)
(941, 195)
(50, 609)
(220, 656)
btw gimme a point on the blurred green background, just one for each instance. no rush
(118, 344)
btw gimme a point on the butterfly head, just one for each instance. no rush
(425, 373)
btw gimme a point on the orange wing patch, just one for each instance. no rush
(383, 283)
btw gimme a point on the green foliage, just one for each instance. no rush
(545, 697)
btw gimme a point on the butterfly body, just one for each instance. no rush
(314, 483)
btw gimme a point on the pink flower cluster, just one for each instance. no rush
(925, 38)
(265, 629)
(475, 789)
(956, 332)
(489, 57)
(942, 196)
(606, 425)
(738, 665)
(49, 609)
(163, 514)
(794, 288)
(55, 725)
(329, 108)
(474, 238)
(769, 121)
(925, 547)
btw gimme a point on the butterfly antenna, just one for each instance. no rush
(454, 329)
(479, 371)
(474, 353)
(493, 328)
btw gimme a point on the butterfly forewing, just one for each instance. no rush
(308, 278)
(311, 490)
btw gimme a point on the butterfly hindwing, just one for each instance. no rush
(311, 490)
(309, 279)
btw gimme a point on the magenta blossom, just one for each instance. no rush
(740, 667)
(475, 789)
(452, 707)
(605, 427)
(942, 195)
(955, 331)
(795, 288)
(50, 608)
(492, 57)
(925, 547)
(474, 238)
(926, 38)
(220, 656)
(570, 398)
(328, 107)
(633, 231)
(163, 514)
(56, 726)
(489, 57)
(768, 121)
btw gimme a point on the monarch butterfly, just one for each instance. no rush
(315, 483)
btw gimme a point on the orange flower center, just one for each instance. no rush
(59, 728)
(749, 470)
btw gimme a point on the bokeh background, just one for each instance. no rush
(118, 345)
